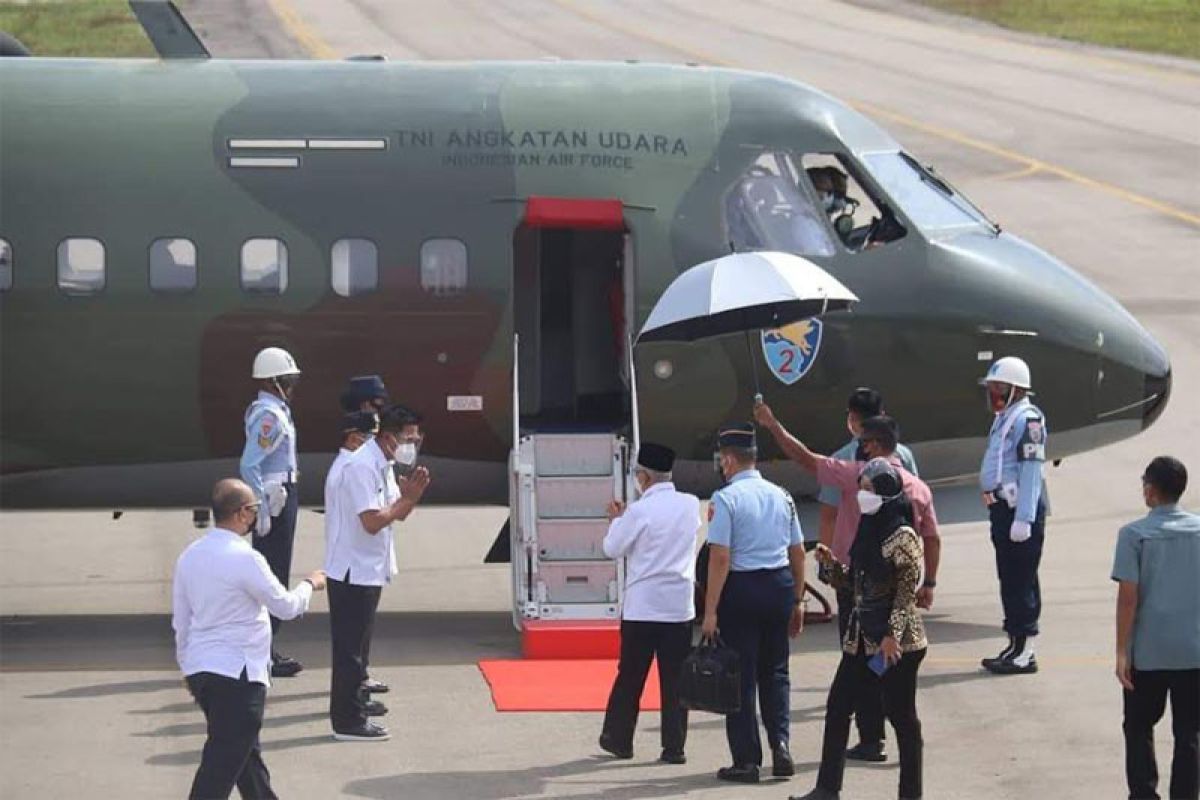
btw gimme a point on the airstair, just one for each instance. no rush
(564, 587)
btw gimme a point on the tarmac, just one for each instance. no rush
(1089, 153)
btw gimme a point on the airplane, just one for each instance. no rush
(162, 220)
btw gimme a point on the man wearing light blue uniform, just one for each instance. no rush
(755, 583)
(268, 466)
(1014, 492)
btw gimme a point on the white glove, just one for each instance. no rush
(1020, 531)
(276, 495)
(264, 522)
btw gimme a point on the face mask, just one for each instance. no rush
(869, 502)
(405, 454)
(860, 453)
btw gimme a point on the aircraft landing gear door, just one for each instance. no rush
(572, 291)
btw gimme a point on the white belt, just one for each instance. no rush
(291, 476)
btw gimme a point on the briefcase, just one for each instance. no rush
(711, 679)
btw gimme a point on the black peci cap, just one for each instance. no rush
(361, 389)
(655, 457)
(360, 422)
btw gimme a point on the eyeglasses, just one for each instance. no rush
(254, 506)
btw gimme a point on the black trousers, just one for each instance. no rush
(1144, 707)
(641, 642)
(899, 686)
(753, 617)
(351, 621)
(868, 708)
(276, 546)
(1017, 566)
(233, 709)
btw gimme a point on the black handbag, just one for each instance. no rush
(712, 679)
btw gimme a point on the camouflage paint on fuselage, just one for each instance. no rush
(129, 152)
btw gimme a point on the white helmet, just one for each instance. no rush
(1010, 370)
(274, 362)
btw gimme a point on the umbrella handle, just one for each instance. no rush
(754, 368)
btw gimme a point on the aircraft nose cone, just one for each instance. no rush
(1157, 392)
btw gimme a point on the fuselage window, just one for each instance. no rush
(443, 266)
(355, 267)
(860, 218)
(80, 266)
(264, 266)
(172, 265)
(5, 265)
(765, 210)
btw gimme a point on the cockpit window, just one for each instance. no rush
(926, 198)
(765, 210)
(860, 219)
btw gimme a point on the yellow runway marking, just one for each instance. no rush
(909, 122)
(1024, 172)
(301, 32)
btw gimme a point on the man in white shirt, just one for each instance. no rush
(362, 559)
(223, 593)
(657, 537)
(357, 429)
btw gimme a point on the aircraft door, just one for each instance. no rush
(572, 297)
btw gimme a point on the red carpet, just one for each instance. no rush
(558, 685)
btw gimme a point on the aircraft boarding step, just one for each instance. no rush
(562, 484)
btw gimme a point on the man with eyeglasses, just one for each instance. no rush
(1156, 567)
(222, 594)
(269, 466)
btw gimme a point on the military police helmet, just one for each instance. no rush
(1010, 370)
(274, 362)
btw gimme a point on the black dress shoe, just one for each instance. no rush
(864, 751)
(374, 708)
(673, 757)
(284, 666)
(367, 732)
(1011, 666)
(818, 794)
(735, 774)
(610, 747)
(375, 687)
(782, 765)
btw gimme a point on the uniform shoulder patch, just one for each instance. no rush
(268, 430)
(1032, 446)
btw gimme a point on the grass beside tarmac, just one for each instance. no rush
(1171, 27)
(86, 28)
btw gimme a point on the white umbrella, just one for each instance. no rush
(742, 292)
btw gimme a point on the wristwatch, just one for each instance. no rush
(929, 584)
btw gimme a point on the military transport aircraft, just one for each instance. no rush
(162, 220)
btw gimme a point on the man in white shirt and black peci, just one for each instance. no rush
(657, 537)
(223, 592)
(361, 560)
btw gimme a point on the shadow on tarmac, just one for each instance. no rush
(495, 784)
(191, 758)
(120, 642)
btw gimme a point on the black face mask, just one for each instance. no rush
(861, 453)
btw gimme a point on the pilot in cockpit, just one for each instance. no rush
(832, 187)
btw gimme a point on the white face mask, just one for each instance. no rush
(869, 502)
(405, 454)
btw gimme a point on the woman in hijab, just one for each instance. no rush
(885, 638)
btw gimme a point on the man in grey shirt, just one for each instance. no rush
(1157, 567)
